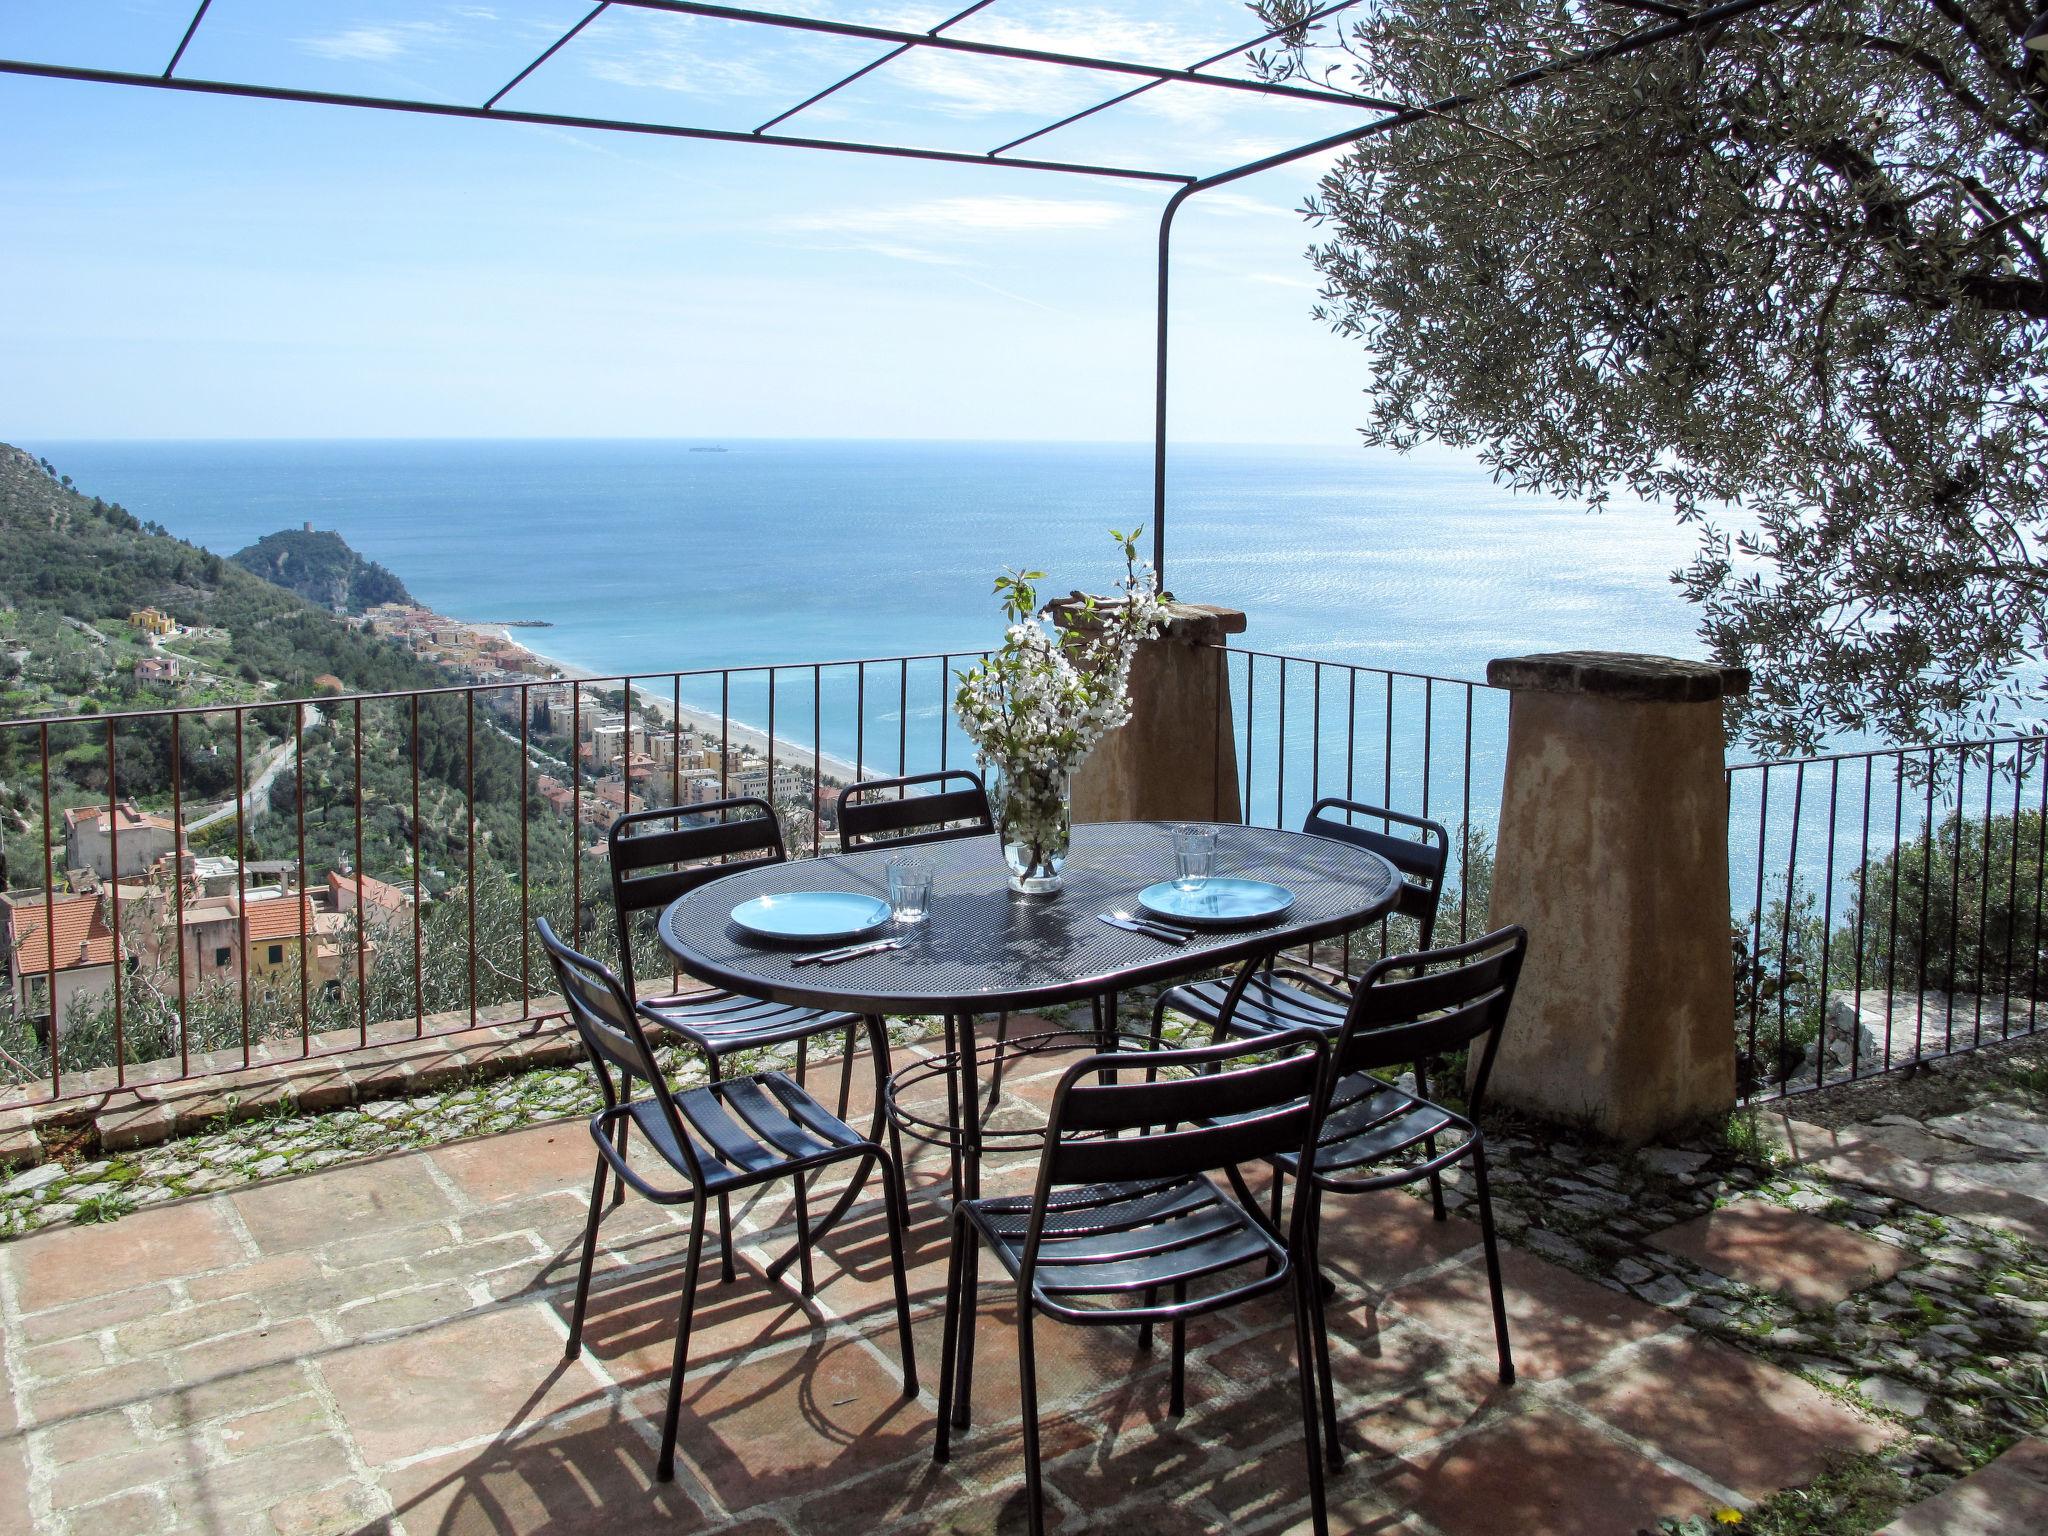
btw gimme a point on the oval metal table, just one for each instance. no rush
(983, 949)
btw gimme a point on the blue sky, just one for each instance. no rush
(182, 266)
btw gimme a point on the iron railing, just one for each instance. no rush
(1887, 907)
(474, 808)
(1406, 741)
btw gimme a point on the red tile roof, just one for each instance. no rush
(80, 922)
(273, 919)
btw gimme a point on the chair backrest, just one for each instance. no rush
(661, 854)
(1408, 1008)
(884, 811)
(1420, 859)
(1241, 1101)
(609, 1025)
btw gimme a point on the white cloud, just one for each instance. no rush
(382, 42)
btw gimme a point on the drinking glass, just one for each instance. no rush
(1194, 857)
(910, 888)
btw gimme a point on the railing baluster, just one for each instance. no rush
(817, 764)
(1862, 917)
(419, 953)
(1465, 826)
(309, 950)
(1897, 861)
(1827, 923)
(1785, 927)
(1984, 895)
(1955, 905)
(2012, 891)
(362, 964)
(178, 890)
(469, 824)
(1280, 769)
(1754, 981)
(1926, 897)
(241, 865)
(525, 803)
(1315, 736)
(50, 933)
(114, 906)
(576, 805)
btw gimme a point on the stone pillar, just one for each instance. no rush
(1175, 759)
(1613, 853)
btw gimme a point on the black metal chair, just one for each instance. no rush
(659, 855)
(1407, 1008)
(1121, 1213)
(1282, 997)
(886, 812)
(724, 1137)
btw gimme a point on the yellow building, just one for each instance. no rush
(152, 622)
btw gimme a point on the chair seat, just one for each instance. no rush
(1270, 1004)
(721, 1022)
(1370, 1121)
(745, 1130)
(1112, 1239)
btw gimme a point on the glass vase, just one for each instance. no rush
(1034, 816)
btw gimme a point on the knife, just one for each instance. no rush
(849, 952)
(1133, 925)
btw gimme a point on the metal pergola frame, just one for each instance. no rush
(1388, 115)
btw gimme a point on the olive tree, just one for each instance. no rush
(1785, 276)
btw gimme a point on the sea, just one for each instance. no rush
(646, 557)
(659, 556)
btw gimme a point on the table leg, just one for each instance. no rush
(966, 1113)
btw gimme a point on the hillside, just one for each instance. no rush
(319, 566)
(73, 569)
(70, 557)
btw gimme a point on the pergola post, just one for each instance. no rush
(1613, 852)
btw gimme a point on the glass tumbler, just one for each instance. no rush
(910, 888)
(1194, 857)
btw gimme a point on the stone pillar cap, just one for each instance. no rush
(1194, 623)
(1619, 675)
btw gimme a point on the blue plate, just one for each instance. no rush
(812, 917)
(1217, 902)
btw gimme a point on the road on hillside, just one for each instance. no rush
(255, 799)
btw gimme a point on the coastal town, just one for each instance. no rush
(140, 885)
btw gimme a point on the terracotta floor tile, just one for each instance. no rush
(488, 1374)
(68, 1322)
(980, 1489)
(594, 1475)
(133, 1382)
(1558, 1323)
(758, 1428)
(630, 1325)
(75, 1263)
(1539, 1474)
(1741, 1420)
(1380, 1239)
(538, 1161)
(1802, 1257)
(851, 1263)
(292, 1215)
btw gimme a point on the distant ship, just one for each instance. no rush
(707, 450)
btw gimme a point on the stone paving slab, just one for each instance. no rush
(379, 1348)
(2008, 1497)
(1802, 1257)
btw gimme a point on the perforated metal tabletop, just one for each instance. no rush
(984, 949)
